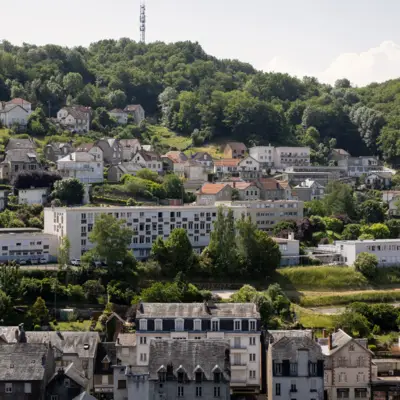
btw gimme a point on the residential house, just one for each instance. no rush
(249, 168)
(18, 102)
(194, 171)
(394, 206)
(238, 323)
(204, 159)
(357, 166)
(106, 358)
(75, 118)
(82, 166)
(66, 384)
(178, 160)
(112, 150)
(14, 116)
(33, 196)
(125, 347)
(92, 149)
(148, 159)
(245, 190)
(290, 250)
(271, 189)
(226, 167)
(209, 193)
(147, 147)
(295, 369)
(25, 369)
(310, 190)
(21, 144)
(379, 180)
(388, 195)
(16, 161)
(291, 156)
(115, 172)
(189, 369)
(234, 150)
(137, 112)
(296, 177)
(386, 250)
(119, 115)
(265, 155)
(56, 150)
(129, 148)
(339, 154)
(347, 367)
(3, 199)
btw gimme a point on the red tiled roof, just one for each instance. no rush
(241, 185)
(18, 101)
(238, 146)
(212, 188)
(176, 156)
(270, 184)
(227, 162)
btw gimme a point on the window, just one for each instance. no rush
(360, 361)
(9, 388)
(342, 377)
(217, 391)
(158, 323)
(197, 337)
(277, 368)
(237, 325)
(198, 391)
(143, 340)
(54, 397)
(121, 384)
(277, 389)
(67, 382)
(252, 325)
(313, 385)
(237, 359)
(181, 377)
(143, 324)
(199, 376)
(252, 341)
(252, 374)
(197, 325)
(293, 387)
(179, 323)
(143, 357)
(360, 377)
(360, 393)
(293, 369)
(252, 357)
(313, 369)
(217, 377)
(27, 387)
(180, 391)
(342, 393)
(104, 380)
(215, 325)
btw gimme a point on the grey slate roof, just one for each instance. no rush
(15, 144)
(126, 339)
(198, 310)
(84, 396)
(189, 354)
(105, 351)
(287, 348)
(74, 374)
(275, 335)
(22, 362)
(340, 339)
(21, 155)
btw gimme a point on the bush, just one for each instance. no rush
(367, 264)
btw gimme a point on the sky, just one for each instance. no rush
(329, 39)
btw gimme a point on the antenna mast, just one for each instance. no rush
(142, 21)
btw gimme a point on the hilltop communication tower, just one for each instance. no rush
(142, 21)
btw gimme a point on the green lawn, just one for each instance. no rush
(72, 326)
(310, 319)
(169, 138)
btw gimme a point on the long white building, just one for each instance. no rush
(387, 250)
(281, 157)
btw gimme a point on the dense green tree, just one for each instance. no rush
(394, 228)
(38, 313)
(351, 232)
(371, 211)
(5, 306)
(378, 231)
(73, 83)
(10, 280)
(339, 199)
(354, 323)
(69, 191)
(173, 187)
(92, 290)
(367, 264)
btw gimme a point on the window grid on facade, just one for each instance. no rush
(179, 324)
(215, 325)
(277, 389)
(180, 391)
(217, 391)
(8, 388)
(237, 325)
(143, 324)
(158, 324)
(199, 391)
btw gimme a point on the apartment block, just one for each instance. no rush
(281, 157)
(238, 323)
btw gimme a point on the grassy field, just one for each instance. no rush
(72, 326)
(368, 296)
(321, 278)
(310, 319)
(170, 138)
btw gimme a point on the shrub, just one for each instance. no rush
(367, 264)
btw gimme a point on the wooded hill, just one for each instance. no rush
(196, 94)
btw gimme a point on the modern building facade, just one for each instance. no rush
(238, 323)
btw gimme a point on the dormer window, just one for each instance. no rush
(158, 324)
(237, 325)
(252, 325)
(143, 324)
(199, 376)
(215, 324)
(179, 324)
(106, 363)
(197, 325)
(217, 377)
(162, 374)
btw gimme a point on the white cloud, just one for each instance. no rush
(378, 64)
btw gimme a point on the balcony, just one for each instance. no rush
(238, 365)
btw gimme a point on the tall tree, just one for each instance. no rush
(69, 191)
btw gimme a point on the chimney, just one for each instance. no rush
(117, 340)
(330, 341)
(141, 307)
(43, 360)
(291, 236)
(324, 333)
(234, 184)
(21, 334)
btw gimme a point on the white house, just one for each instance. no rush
(387, 250)
(295, 369)
(120, 115)
(19, 102)
(209, 193)
(33, 196)
(137, 111)
(226, 166)
(291, 156)
(309, 190)
(347, 367)
(92, 149)
(357, 166)
(290, 250)
(82, 166)
(263, 154)
(238, 323)
(75, 118)
(129, 148)
(14, 115)
(379, 179)
(249, 168)
(246, 190)
(394, 206)
(148, 159)
(3, 199)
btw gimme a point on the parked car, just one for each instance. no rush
(97, 263)
(21, 262)
(43, 260)
(76, 261)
